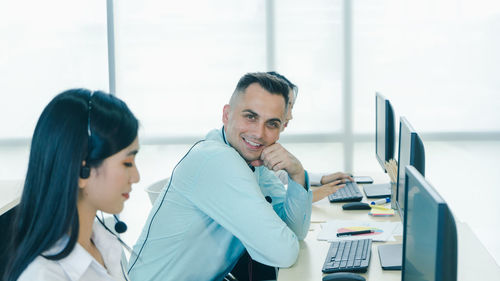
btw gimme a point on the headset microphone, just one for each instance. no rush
(120, 226)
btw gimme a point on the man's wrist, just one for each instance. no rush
(300, 178)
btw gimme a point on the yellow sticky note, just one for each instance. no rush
(382, 212)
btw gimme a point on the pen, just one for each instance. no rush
(349, 233)
(381, 201)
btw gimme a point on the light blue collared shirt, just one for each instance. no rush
(214, 208)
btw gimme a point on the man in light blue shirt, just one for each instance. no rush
(217, 203)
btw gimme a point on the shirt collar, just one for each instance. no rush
(223, 132)
(79, 260)
(76, 263)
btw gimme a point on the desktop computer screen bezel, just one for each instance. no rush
(435, 254)
(415, 152)
(385, 135)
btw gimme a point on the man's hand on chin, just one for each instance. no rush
(275, 157)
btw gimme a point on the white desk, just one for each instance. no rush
(10, 194)
(473, 258)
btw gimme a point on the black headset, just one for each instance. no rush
(85, 170)
(119, 239)
(120, 226)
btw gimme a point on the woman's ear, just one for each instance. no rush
(82, 183)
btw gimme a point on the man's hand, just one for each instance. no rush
(275, 157)
(335, 177)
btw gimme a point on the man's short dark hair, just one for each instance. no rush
(292, 86)
(268, 82)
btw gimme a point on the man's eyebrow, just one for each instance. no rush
(273, 120)
(250, 111)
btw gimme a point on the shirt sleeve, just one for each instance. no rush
(315, 178)
(283, 176)
(292, 205)
(227, 191)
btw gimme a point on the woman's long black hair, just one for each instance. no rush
(60, 144)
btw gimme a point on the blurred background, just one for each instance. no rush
(176, 64)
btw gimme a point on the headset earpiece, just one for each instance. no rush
(85, 172)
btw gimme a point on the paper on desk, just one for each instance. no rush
(398, 230)
(383, 231)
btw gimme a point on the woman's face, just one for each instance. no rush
(110, 184)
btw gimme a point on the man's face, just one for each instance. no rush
(253, 122)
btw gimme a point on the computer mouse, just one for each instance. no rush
(343, 276)
(356, 206)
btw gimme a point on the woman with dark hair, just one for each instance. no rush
(82, 160)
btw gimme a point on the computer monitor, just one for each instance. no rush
(385, 135)
(411, 152)
(430, 233)
(384, 144)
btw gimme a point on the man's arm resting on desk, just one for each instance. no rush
(230, 195)
(293, 205)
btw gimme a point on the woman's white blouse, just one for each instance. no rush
(79, 264)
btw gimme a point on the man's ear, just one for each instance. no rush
(225, 114)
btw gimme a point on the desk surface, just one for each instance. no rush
(473, 258)
(11, 191)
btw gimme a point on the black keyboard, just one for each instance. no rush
(348, 193)
(348, 255)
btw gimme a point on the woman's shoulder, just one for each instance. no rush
(43, 269)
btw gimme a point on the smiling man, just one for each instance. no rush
(223, 196)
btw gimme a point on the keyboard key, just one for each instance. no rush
(365, 249)
(334, 251)
(352, 251)
(359, 250)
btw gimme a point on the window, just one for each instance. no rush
(47, 48)
(177, 66)
(436, 61)
(308, 52)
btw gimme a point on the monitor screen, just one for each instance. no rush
(429, 236)
(384, 130)
(411, 152)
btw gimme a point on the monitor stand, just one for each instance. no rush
(377, 190)
(391, 256)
